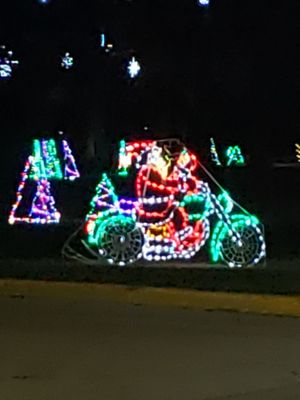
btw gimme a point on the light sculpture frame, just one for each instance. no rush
(172, 214)
(43, 210)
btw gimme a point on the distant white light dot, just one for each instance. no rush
(203, 3)
(133, 68)
(67, 61)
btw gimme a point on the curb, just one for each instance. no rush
(278, 305)
(277, 279)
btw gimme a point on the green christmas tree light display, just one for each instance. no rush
(234, 156)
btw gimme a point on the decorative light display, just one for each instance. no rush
(7, 63)
(70, 172)
(214, 153)
(234, 156)
(298, 151)
(39, 170)
(104, 44)
(103, 40)
(24, 176)
(105, 198)
(67, 61)
(203, 3)
(124, 159)
(52, 162)
(169, 214)
(43, 209)
(133, 68)
(47, 161)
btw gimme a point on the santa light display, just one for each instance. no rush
(171, 213)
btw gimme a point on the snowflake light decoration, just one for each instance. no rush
(133, 68)
(67, 61)
(6, 63)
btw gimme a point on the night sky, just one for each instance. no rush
(231, 72)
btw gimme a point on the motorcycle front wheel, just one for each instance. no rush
(119, 240)
(239, 245)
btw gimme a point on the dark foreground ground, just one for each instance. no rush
(74, 347)
(274, 278)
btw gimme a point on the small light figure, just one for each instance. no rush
(102, 40)
(67, 61)
(133, 68)
(104, 44)
(203, 3)
(5, 71)
(6, 63)
(109, 47)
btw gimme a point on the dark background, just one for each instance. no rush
(230, 71)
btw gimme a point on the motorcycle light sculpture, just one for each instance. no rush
(171, 214)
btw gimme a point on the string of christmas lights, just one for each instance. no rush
(234, 156)
(39, 169)
(103, 205)
(70, 171)
(44, 164)
(48, 162)
(67, 61)
(7, 63)
(169, 216)
(43, 209)
(214, 153)
(52, 162)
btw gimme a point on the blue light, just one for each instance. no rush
(6, 63)
(203, 3)
(67, 61)
(133, 68)
(105, 44)
(103, 40)
(5, 71)
(44, 1)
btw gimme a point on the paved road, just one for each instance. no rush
(58, 348)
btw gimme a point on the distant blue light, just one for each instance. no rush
(5, 71)
(67, 61)
(44, 1)
(6, 63)
(103, 41)
(203, 3)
